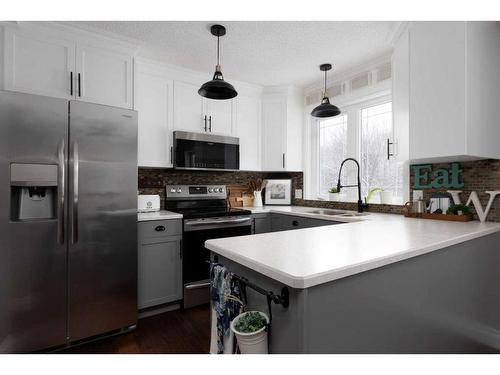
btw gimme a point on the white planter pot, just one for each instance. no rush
(251, 343)
(257, 198)
(386, 197)
(334, 197)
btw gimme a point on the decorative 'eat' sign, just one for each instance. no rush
(426, 178)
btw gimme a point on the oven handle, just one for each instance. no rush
(209, 222)
(196, 286)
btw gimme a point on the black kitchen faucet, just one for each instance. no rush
(361, 205)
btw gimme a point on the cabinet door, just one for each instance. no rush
(273, 123)
(160, 273)
(153, 99)
(39, 65)
(437, 89)
(105, 76)
(220, 116)
(248, 129)
(400, 97)
(188, 107)
(262, 225)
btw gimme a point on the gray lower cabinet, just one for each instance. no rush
(261, 223)
(160, 262)
(280, 222)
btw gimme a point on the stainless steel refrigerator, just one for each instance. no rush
(68, 221)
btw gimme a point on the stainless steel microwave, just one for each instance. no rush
(205, 151)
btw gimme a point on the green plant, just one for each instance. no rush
(250, 322)
(333, 190)
(454, 208)
(370, 193)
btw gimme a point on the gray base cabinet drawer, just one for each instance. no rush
(159, 263)
(152, 230)
(281, 222)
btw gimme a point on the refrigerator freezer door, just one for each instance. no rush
(33, 129)
(102, 219)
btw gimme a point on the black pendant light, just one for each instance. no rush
(325, 109)
(217, 88)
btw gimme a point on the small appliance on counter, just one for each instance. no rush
(148, 203)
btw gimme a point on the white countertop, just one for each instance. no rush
(158, 215)
(307, 257)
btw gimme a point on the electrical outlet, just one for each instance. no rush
(298, 193)
(418, 194)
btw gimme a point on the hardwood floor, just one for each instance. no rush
(173, 332)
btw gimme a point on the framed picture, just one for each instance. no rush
(278, 192)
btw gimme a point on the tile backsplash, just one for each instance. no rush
(152, 181)
(478, 176)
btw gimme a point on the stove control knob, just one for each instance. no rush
(221, 190)
(172, 190)
(179, 190)
(210, 190)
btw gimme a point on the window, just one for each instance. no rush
(360, 132)
(332, 150)
(376, 170)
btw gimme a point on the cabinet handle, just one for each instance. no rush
(79, 86)
(283, 161)
(389, 154)
(210, 124)
(180, 249)
(71, 83)
(160, 228)
(295, 223)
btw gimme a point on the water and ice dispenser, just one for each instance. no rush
(33, 190)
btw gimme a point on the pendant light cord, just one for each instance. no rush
(324, 94)
(218, 50)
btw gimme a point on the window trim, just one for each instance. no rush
(353, 112)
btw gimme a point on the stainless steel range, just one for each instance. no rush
(206, 216)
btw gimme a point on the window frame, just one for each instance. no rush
(353, 112)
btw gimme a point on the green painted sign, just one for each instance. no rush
(426, 178)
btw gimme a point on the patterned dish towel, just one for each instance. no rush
(225, 295)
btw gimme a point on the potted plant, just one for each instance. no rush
(370, 194)
(333, 195)
(250, 331)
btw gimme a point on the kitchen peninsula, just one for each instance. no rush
(377, 283)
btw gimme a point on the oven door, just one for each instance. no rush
(195, 266)
(205, 151)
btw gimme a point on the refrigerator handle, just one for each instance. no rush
(74, 205)
(61, 176)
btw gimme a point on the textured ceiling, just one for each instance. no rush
(265, 53)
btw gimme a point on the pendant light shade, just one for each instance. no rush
(217, 88)
(325, 109)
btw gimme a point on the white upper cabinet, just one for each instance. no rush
(248, 130)
(188, 108)
(400, 97)
(153, 99)
(194, 113)
(454, 84)
(282, 119)
(80, 67)
(219, 116)
(104, 76)
(39, 65)
(273, 134)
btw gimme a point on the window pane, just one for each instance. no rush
(332, 150)
(376, 170)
